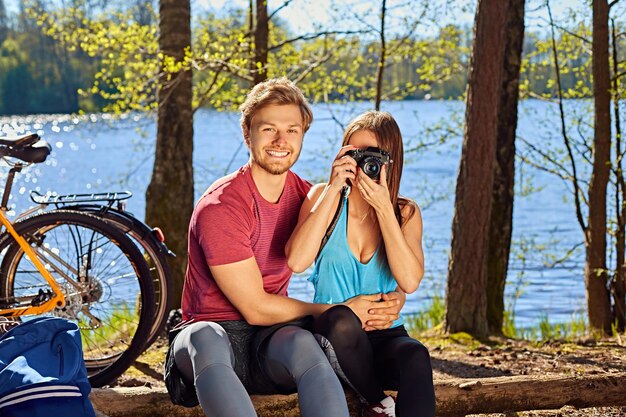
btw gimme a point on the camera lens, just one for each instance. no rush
(371, 167)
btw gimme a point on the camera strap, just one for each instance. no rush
(345, 191)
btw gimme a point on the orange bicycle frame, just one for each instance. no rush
(57, 300)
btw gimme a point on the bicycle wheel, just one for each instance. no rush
(105, 280)
(154, 253)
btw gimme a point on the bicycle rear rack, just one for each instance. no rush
(50, 198)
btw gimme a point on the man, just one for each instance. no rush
(240, 332)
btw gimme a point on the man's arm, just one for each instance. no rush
(242, 283)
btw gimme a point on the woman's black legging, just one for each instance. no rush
(380, 359)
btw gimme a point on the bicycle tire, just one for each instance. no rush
(115, 285)
(153, 252)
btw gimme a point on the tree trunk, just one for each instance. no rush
(169, 198)
(466, 296)
(618, 285)
(381, 60)
(261, 40)
(4, 22)
(598, 299)
(501, 222)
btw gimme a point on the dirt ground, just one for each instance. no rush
(460, 356)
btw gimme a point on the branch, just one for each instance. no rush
(564, 29)
(540, 97)
(311, 67)
(391, 93)
(613, 3)
(232, 69)
(443, 133)
(424, 145)
(408, 35)
(359, 18)
(564, 258)
(282, 6)
(620, 186)
(542, 167)
(579, 214)
(205, 95)
(170, 86)
(562, 170)
(309, 36)
(618, 76)
(334, 118)
(588, 151)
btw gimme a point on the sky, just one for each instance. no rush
(303, 16)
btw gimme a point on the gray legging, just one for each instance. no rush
(293, 358)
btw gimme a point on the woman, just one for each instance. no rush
(374, 247)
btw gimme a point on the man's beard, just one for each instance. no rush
(275, 168)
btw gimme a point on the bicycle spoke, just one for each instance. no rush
(104, 278)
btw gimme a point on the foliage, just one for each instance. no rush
(126, 51)
(108, 59)
(431, 316)
(83, 57)
(537, 76)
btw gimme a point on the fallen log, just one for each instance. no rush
(522, 393)
(155, 402)
(456, 397)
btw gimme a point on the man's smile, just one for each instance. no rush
(276, 153)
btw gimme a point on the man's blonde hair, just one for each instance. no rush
(280, 91)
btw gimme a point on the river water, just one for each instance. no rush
(98, 153)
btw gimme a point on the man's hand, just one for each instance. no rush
(374, 309)
(392, 312)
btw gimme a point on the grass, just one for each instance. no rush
(432, 317)
(119, 326)
(545, 330)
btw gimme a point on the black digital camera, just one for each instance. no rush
(370, 160)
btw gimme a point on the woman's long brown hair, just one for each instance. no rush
(389, 139)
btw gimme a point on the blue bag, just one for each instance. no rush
(42, 372)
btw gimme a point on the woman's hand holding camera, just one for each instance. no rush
(376, 194)
(343, 169)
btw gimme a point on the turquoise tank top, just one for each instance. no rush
(338, 275)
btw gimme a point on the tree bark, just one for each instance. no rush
(4, 22)
(618, 285)
(261, 42)
(466, 297)
(520, 393)
(598, 298)
(170, 195)
(501, 221)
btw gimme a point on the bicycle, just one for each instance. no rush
(75, 265)
(110, 206)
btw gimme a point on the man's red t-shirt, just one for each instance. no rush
(233, 222)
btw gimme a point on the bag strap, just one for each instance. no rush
(345, 191)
